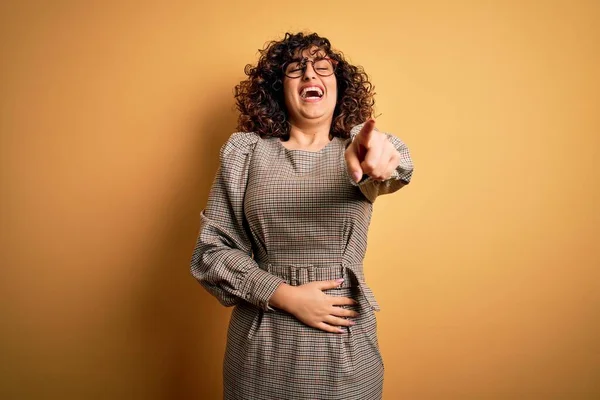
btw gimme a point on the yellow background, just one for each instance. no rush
(486, 266)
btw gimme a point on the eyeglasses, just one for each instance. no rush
(324, 66)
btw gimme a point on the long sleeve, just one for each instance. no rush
(222, 260)
(372, 188)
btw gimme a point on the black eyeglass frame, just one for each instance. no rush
(305, 61)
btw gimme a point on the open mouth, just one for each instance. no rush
(311, 93)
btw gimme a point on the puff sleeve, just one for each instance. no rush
(372, 188)
(222, 259)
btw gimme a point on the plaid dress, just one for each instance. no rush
(277, 215)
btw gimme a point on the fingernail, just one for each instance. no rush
(357, 176)
(341, 330)
(340, 280)
(352, 323)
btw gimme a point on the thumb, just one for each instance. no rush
(332, 284)
(353, 162)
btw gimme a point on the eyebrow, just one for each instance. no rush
(317, 57)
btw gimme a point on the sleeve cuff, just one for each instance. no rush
(258, 286)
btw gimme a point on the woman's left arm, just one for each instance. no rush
(378, 163)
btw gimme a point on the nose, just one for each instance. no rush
(309, 71)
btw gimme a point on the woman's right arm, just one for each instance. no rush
(222, 260)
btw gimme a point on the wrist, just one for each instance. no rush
(282, 298)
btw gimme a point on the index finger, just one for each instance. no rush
(343, 301)
(364, 135)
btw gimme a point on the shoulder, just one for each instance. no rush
(240, 143)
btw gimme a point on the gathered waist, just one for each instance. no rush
(300, 274)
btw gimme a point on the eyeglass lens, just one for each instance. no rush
(322, 67)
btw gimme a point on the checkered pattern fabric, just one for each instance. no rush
(277, 215)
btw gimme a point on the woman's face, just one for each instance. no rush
(310, 97)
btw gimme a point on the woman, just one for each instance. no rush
(283, 235)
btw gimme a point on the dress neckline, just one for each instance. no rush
(321, 150)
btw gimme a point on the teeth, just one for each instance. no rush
(311, 88)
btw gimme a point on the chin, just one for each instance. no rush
(314, 114)
(315, 117)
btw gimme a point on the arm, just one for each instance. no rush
(222, 260)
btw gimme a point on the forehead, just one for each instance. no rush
(310, 52)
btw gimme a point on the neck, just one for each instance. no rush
(309, 135)
(307, 139)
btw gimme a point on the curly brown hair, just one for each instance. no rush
(260, 98)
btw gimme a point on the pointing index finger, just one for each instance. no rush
(364, 135)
